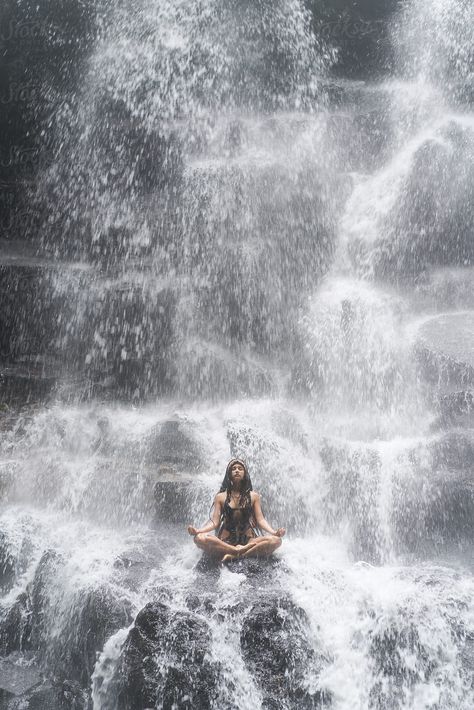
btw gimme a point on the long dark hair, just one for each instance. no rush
(245, 486)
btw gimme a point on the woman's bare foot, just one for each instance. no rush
(229, 558)
(245, 548)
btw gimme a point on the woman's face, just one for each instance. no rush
(237, 473)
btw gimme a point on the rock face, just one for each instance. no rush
(164, 662)
(399, 661)
(277, 650)
(426, 501)
(446, 349)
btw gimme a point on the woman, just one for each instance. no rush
(237, 516)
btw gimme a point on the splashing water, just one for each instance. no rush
(226, 273)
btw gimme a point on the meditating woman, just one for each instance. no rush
(237, 516)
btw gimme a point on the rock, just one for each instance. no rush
(97, 615)
(16, 677)
(432, 508)
(39, 598)
(164, 661)
(7, 564)
(172, 445)
(445, 349)
(31, 380)
(431, 221)
(49, 696)
(399, 661)
(206, 367)
(456, 409)
(467, 658)
(179, 500)
(360, 30)
(453, 450)
(448, 288)
(283, 207)
(15, 627)
(277, 650)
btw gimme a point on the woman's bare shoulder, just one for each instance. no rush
(254, 496)
(220, 497)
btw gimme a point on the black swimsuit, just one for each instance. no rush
(237, 522)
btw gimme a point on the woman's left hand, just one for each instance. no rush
(280, 532)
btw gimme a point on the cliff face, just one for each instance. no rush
(43, 49)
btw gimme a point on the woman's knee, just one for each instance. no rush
(200, 539)
(276, 541)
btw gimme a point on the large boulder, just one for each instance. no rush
(165, 662)
(277, 649)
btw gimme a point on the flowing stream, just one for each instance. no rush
(250, 247)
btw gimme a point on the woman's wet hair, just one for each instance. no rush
(246, 485)
(245, 489)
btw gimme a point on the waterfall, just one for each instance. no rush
(236, 251)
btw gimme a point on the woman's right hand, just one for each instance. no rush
(192, 530)
(280, 532)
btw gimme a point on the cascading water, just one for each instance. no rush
(238, 279)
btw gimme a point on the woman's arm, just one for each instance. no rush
(260, 520)
(213, 520)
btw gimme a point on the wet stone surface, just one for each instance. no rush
(165, 658)
(277, 648)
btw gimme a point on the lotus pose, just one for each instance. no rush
(237, 516)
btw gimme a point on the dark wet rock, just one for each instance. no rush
(259, 570)
(164, 660)
(446, 349)
(178, 500)
(30, 380)
(123, 340)
(278, 651)
(467, 658)
(45, 574)
(28, 311)
(15, 627)
(98, 614)
(51, 696)
(7, 564)
(16, 678)
(172, 444)
(399, 661)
